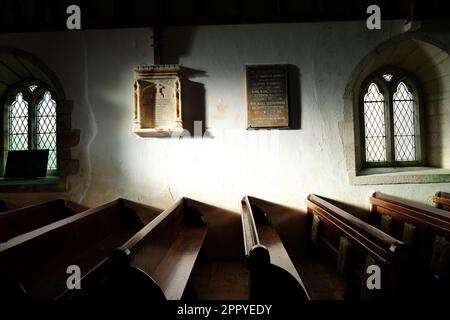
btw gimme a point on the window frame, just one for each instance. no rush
(6, 100)
(388, 89)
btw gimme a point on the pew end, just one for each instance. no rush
(39, 258)
(272, 273)
(427, 231)
(355, 245)
(156, 262)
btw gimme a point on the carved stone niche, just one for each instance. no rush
(157, 101)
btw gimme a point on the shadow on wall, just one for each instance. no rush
(294, 97)
(224, 240)
(174, 46)
(193, 103)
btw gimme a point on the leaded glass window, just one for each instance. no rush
(32, 122)
(18, 124)
(375, 127)
(32, 87)
(404, 128)
(390, 121)
(388, 77)
(46, 128)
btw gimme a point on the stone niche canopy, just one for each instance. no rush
(157, 101)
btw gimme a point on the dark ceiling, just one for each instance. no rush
(48, 15)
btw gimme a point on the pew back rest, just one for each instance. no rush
(442, 200)
(354, 245)
(149, 246)
(45, 253)
(166, 249)
(387, 243)
(427, 223)
(23, 220)
(369, 239)
(264, 249)
(418, 210)
(411, 223)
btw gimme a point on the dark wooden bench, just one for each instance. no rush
(272, 273)
(442, 200)
(427, 230)
(37, 261)
(355, 245)
(154, 265)
(22, 220)
(3, 206)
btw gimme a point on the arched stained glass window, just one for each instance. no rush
(391, 123)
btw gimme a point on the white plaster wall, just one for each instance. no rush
(95, 68)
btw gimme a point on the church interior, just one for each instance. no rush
(224, 150)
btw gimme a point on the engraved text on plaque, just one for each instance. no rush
(267, 96)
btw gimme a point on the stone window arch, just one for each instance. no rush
(30, 121)
(390, 119)
(36, 115)
(421, 63)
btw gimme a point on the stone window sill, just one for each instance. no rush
(47, 184)
(402, 175)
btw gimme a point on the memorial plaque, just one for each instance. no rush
(157, 109)
(267, 96)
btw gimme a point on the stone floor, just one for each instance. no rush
(228, 280)
(321, 279)
(220, 280)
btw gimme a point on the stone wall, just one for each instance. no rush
(96, 71)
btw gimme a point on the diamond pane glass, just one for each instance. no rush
(404, 125)
(18, 124)
(46, 128)
(374, 124)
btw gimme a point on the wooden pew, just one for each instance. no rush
(35, 263)
(355, 245)
(154, 265)
(415, 209)
(442, 200)
(3, 206)
(23, 220)
(427, 230)
(272, 273)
